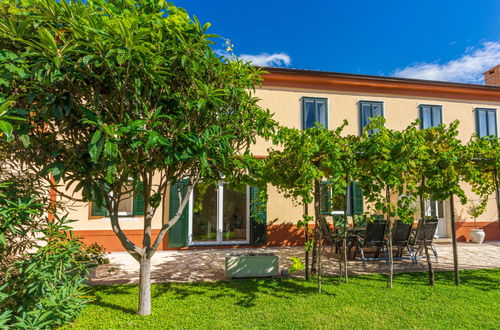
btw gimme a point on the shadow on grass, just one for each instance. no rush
(246, 292)
(485, 280)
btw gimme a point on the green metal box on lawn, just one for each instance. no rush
(252, 265)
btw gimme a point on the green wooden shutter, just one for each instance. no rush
(325, 199)
(258, 218)
(139, 206)
(178, 234)
(357, 199)
(97, 211)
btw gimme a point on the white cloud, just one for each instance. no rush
(264, 59)
(468, 68)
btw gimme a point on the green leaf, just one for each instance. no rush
(94, 152)
(6, 128)
(111, 150)
(3, 241)
(86, 59)
(25, 140)
(96, 137)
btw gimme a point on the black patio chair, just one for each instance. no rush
(400, 238)
(373, 236)
(331, 236)
(416, 242)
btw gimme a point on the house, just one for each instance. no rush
(299, 98)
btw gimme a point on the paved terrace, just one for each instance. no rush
(208, 265)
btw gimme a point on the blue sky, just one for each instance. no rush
(428, 39)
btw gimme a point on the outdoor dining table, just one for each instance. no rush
(351, 233)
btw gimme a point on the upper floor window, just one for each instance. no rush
(486, 122)
(370, 109)
(314, 111)
(431, 116)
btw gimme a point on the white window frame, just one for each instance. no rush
(220, 218)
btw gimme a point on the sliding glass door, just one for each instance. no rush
(219, 215)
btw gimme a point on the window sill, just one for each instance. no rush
(124, 219)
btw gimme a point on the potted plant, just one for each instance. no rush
(476, 235)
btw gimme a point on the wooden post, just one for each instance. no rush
(454, 239)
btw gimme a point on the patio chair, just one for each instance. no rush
(330, 235)
(400, 238)
(416, 242)
(373, 236)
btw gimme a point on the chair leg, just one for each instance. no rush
(413, 256)
(400, 251)
(362, 255)
(331, 251)
(435, 253)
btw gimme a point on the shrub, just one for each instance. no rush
(45, 288)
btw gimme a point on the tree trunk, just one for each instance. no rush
(317, 215)
(454, 239)
(306, 212)
(145, 287)
(389, 240)
(344, 240)
(426, 248)
(319, 261)
(497, 193)
(314, 251)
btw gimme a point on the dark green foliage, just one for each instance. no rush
(45, 288)
(21, 210)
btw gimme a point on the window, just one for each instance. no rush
(219, 215)
(335, 204)
(430, 116)
(370, 109)
(433, 208)
(314, 111)
(486, 122)
(130, 205)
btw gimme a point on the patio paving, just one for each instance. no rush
(208, 264)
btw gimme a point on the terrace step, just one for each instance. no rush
(442, 240)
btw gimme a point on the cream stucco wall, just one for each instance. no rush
(399, 112)
(80, 212)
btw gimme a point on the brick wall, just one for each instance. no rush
(492, 76)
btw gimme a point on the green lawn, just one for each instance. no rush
(294, 303)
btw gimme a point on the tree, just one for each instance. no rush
(441, 164)
(310, 163)
(127, 94)
(386, 160)
(293, 170)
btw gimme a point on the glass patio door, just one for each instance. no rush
(219, 215)
(435, 209)
(204, 216)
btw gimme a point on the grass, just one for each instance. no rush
(293, 303)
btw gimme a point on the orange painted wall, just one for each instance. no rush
(491, 230)
(277, 236)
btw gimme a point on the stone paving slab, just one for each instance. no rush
(208, 264)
